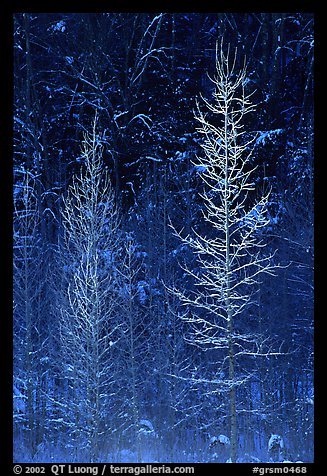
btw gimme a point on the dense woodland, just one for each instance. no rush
(163, 237)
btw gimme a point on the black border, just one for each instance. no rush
(6, 209)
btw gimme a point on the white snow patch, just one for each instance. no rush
(146, 426)
(222, 439)
(200, 168)
(265, 136)
(58, 26)
(275, 441)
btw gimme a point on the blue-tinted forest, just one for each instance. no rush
(163, 237)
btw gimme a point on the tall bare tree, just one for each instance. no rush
(230, 258)
(89, 321)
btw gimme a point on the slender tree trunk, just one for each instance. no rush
(232, 394)
(231, 358)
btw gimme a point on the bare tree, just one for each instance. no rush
(89, 321)
(230, 258)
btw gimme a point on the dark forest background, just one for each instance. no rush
(141, 73)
